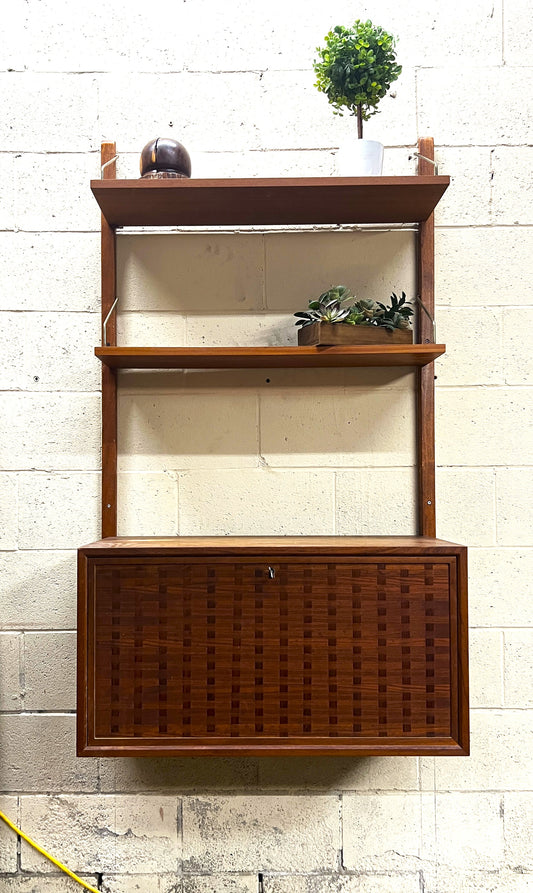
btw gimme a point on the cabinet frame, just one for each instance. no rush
(246, 357)
(398, 199)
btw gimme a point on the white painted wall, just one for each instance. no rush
(206, 453)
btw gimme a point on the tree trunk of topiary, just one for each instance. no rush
(359, 122)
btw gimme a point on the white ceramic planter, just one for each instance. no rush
(360, 158)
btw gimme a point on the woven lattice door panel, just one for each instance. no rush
(230, 652)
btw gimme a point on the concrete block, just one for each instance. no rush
(102, 47)
(499, 759)
(256, 163)
(466, 505)
(38, 590)
(8, 511)
(517, 21)
(468, 198)
(187, 430)
(59, 271)
(59, 352)
(273, 329)
(494, 574)
(502, 89)
(501, 881)
(469, 830)
(52, 883)
(190, 273)
(486, 668)
(383, 833)
(471, 424)
(344, 883)
(446, 36)
(514, 497)
(339, 774)
(128, 883)
(400, 161)
(7, 209)
(518, 365)
(511, 190)
(256, 502)
(10, 671)
(30, 116)
(517, 823)
(49, 431)
(225, 100)
(257, 37)
(376, 501)
(518, 667)
(473, 349)
(260, 833)
(50, 671)
(499, 268)
(299, 266)
(220, 883)
(52, 192)
(106, 833)
(175, 775)
(147, 504)
(335, 428)
(12, 335)
(149, 329)
(58, 511)
(39, 754)
(13, 35)
(8, 838)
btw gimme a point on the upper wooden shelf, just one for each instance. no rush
(267, 357)
(309, 200)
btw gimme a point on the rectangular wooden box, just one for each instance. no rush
(326, 334)
(267, 646)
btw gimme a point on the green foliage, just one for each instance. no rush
(338, 305)
(397, 316)
(356, 68)
(332, 306)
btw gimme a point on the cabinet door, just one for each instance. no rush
(228, 656)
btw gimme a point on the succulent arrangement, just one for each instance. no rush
(338, 305)
(356, 68)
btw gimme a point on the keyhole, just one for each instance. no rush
(271, 572)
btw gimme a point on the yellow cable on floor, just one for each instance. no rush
(48, 856)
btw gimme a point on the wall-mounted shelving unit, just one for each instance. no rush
(262, 645)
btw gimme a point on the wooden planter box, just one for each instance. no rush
(326, 334)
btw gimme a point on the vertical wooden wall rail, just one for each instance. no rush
(109, 376)
(426, 375)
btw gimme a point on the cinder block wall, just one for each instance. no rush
(305, 452)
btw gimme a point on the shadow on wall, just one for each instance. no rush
(255, 775)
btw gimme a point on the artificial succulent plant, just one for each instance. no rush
(338, 305)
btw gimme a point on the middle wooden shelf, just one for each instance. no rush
(267, 357)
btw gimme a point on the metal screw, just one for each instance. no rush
(429, 502)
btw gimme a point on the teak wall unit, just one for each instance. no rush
(268, 645)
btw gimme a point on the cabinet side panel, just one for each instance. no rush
(83, 645)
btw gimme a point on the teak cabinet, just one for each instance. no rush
(272, 645)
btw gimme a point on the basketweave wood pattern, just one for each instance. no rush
(219, 651)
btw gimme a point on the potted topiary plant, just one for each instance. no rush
(355, 70)
(337, 317)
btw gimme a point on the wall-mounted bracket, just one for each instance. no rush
(105, 322)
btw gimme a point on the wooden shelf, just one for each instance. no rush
(267, 357)
(310, 200)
